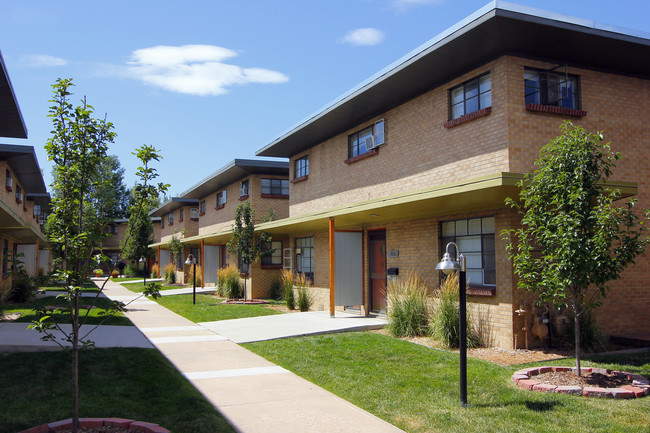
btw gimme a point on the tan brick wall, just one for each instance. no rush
(419, 152)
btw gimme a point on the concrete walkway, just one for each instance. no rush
(254, 394)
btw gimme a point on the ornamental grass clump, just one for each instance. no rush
(408, 311)
(229, 283)
(170, 274)
(190, 276)
(287, 283)
(305, 297)
(155, 271)
(445, 319)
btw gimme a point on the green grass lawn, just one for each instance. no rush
(416, 388)
(87, 287)
(125, 279)
(135, 384)
(28, 314)
(209, 308)
(139, 287)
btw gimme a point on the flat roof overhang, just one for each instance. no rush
(232, 172)
(172, 205)
(12, 124)
(472, 195)
(497, 29)
(13, 225)
(24, 165)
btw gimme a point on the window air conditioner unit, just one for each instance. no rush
(9, 183)
(243, 191)
(370, 142)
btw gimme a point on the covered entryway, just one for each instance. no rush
(165, 260)
(377, 270)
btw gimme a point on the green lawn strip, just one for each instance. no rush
(28, 314)
(209, 308)
(139, 287)
(123, 280)
(416, 388)
(87, 287)
(127, 383)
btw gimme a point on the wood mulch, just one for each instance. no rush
(568, 378)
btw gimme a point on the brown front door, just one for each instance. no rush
(377, 257)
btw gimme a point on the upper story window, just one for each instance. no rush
(19, 194)
(162, 222)
(367, 139)
(475, 239)
(244, 188)
(202, 208)
(221, 198)
(471, 96)
(9, 181)
(551, 87)
(171, 219)
(112, 229)
(275, 187)
(181, 215)
(301, 167)
(194, 213)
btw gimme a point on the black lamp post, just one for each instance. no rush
(448, 267)
(192, 261)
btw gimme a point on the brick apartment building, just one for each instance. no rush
(425, 152)
(203, 216)
(24, 200)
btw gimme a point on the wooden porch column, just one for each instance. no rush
(332, 268)
(202, 262)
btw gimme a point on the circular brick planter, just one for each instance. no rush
(66, 424)
(526, 379)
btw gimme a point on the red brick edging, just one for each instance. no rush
(640, 385)
(66, 424)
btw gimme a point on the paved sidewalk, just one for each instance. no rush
(254, 394)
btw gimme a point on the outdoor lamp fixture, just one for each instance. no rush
(192, 261)
(143, 261)
(448, 267)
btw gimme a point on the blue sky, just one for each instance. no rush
(212, 80)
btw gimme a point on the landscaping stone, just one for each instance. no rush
(544, 387)
(590, 391)
(575, 390)
(621, 393)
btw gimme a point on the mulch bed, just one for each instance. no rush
(568, 378)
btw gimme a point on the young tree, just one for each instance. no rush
(248, 246)
(573, 240)
(141, 229)
(75, 228)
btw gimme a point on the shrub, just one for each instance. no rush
(287, 283)
(591, 339)
(190, 276)
(276, 289)
(445, 321)
(408, 306)
(155, 271)
(305, 297)
(98, 272)
(229, 283)
(131, 270)
(170, 274)
(23, 288)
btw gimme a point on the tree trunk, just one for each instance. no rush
(75, 365)
(576, 331)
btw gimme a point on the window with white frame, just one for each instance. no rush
(275, 258)
(301, 167)
(244, 188)
(304, 254)
(475, 240)
(181, 215)
(221, 198)
(551, 87)
(170, 219)
(194, 213)
(275, 187)
(472, 95)
(366, 140)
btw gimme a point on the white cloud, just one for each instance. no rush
(402, 5)
(367, 36)
(43, 60)
(195, 69)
